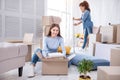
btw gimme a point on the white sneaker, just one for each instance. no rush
(31, 71)
(82, 50)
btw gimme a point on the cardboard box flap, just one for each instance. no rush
(54, 59)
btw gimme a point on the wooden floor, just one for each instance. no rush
(72, 74)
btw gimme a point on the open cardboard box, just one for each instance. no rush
(115, 57)
(118, 34)
(55, 66)
(108, 34)
(93, 38)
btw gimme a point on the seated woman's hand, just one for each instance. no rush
(48, 57)
(73, 18)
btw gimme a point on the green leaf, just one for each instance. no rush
(85, 66)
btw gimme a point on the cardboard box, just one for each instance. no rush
(118, 34)
(54, 66)
(92, 49)
(108, 34)
(108, 73)
(46, 30)
(103, 51)
(96, 30)
(93, 38)
(49, 20)
(115, 57)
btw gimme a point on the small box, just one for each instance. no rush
(108, 73)
(96, 30)
(108, 34)
(55, 66)
(93, 38)
(115, 57)
(92, 49)
(49, 20)
(118, 34)
(46, 30)
(103, 51)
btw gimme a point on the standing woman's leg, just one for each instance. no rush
(90, 31)
(85, 38)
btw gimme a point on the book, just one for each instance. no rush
(71, 57)
(55, 54)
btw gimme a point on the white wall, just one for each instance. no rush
(21, 16)
(102, 11)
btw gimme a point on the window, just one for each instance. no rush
(62, 9)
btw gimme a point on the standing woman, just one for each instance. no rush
(50, 44)
(86, 20)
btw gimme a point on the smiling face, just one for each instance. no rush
(54, 31)
(82, 8)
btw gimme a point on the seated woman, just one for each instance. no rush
(50, 44)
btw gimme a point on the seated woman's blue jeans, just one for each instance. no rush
(35, 58)
(87, 31)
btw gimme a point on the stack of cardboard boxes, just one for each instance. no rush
(93, 38)
(111, 72)
(108, 48)
(115, 57)
(107, 38)
(118, 34)
(110, 34)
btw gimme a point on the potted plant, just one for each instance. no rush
(84, 67)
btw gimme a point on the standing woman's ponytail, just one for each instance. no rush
(85, 4)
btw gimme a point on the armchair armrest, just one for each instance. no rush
(15, 41)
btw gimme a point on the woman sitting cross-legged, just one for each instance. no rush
(50, 44)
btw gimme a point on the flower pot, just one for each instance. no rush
(83, 78)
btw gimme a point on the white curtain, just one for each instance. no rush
(62, 9)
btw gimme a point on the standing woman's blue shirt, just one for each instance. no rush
(87, 26)
(86, 20)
